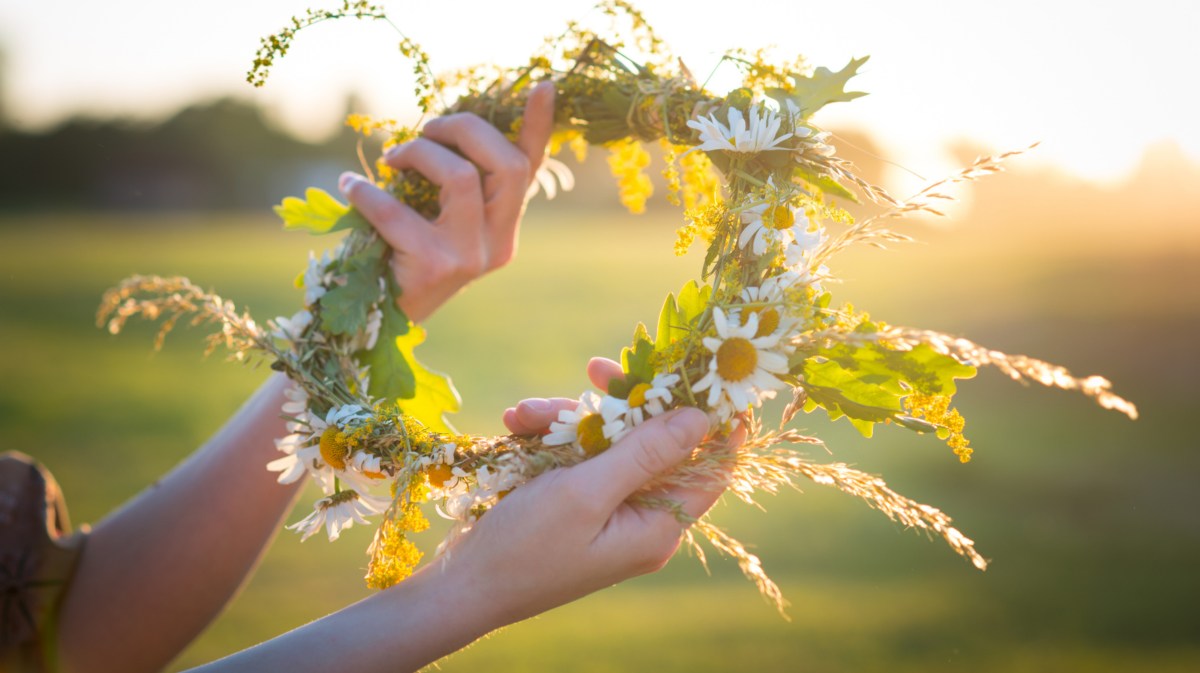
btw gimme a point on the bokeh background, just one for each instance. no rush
(129, 143)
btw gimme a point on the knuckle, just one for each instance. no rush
(649, 458)
(463, 177)
(518, 165)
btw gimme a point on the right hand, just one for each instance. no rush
(483, 195)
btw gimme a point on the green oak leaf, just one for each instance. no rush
(318, 213)
(344, 307)
(434, 394)
(864, 397)
(811, 93)
(636, 361)
(391, 375)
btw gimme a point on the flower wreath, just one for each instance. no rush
(758, 182)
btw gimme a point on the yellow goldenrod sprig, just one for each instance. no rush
(937, 410)
(627, 159)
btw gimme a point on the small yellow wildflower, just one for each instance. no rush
(701, 182)
(393, 555)
(936, 409)
(627, 158)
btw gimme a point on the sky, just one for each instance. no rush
(1095, 82)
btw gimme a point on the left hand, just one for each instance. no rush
(483, 181)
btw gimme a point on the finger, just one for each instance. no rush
(506, 168)
(538, 124)
(601, 371)
(461, 197)
(695, 502)
(534, 416)
(650, 449)
(399, 225)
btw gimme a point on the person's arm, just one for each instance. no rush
(563, 535)
(157, 571)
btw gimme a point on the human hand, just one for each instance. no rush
(483, 190)
(570, 531)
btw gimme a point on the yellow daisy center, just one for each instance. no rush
(736, 359)
(333, 448)
(779, 217)
(768, 320)
(591, 434)
(637, 396)
(438, 475)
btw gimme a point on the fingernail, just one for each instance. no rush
(346, 180)
(537, 405)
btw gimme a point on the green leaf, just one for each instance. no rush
(434, 394)
(867, 383)
(636, 361)
(865, 399)
(710, 256)
(319, 213)
(344, 308)
(826, 184)
(811, 93)
(922, 368)
(391, 375)
(677, 317)
(667, 317)
(693, 300)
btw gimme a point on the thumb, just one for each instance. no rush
(651, 449)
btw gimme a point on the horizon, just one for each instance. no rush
(935, 81)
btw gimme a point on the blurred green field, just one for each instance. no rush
(1091, 520)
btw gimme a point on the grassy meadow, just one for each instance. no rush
(1091, 520)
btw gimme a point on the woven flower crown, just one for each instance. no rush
(759, 183)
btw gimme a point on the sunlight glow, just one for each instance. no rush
(1095, 82)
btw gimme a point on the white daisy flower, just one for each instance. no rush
(647, 400)
(338, 512)
(757, 132)
(297, 401)
(773, 318)
(315, 278)
(366, 339)
(319, 453)
(290, 467)
(771, 223)
(549, 177)
(799, 257)
(591, 427)
(445, 479)
(741, 373)
(290, 329)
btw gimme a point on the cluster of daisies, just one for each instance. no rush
(321, 448)
(320, 445)
(748, 341)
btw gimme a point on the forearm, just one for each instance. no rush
(158, 570)
(404, 628)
